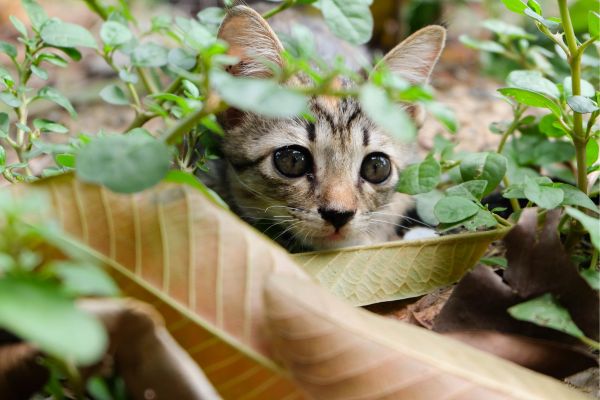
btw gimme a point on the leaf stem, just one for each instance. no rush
(518, 111)
(212, 105)
(283, 6)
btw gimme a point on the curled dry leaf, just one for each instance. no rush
(145, 355)
(200, 267)
(335, 351)
(543, 356)
(396, 270)
(21, 374)
(539, 264)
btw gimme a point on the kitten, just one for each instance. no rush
(325, 184)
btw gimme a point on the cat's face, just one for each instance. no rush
(327, 183)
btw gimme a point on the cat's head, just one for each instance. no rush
(325, 184)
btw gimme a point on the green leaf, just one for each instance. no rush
(115, 34)
(587, 89)
(535, 6)
(149, 55)
(547, 197)
(46, 125)
(128, 77)
(591, 224)
(454, 209)
(211, 15)
(124, 164)
(516, 6)
(485, 45)
(443, 114)
(62, 34)
(548, 152)
(482, 219)
(261, 96)
(534, 81)
(53, 95)
(472, 190)
(6, 78)
(425, 205)
(593, 23)
(531, 98)
(591, 152)
(489, 166)
(350, 20)
(4, 119)
(517, 190)
(113, 94)
(10, 99)
(420, 178)
(84, 279)
(501, 28)
(546, 311)
(182, 58)
(39, 72)
(550, 126)
(190, 88)
(385, 113)
(41, 313)
(575, 197)
(494, 261)
(19, 26)
(52, 59)
(8, 49)
(582, 105)
(592, 276)
(36, 14)
(65, 160)
(548, 23)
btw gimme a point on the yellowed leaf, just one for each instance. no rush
(336, 352)
(196, 263)
(396, 270)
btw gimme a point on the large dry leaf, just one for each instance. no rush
(199, 267)
(335, 352)
(397, 270)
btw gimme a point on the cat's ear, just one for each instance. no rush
(414, 58)
(252, 41)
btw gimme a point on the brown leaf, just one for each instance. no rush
(197, 264)
(335, 352)
(549, 358)
(538, 264)
(21, 374)
(147, 358)
(480, 301)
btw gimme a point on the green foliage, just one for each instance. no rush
(124, 164)
(37, 294)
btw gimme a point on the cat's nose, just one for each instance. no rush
(336, 218)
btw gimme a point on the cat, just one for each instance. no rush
(323, 184)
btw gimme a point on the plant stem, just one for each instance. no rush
(579, 137)
(514, 203)
(97, 8)
(212, 105)
(283, 6)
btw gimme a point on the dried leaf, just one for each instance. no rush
(196, 263)
(146, 356)
(21, 374)
(396, 270)
(538, 264)
(546, 357)
(337, 352)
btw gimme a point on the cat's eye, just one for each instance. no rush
(293, 161)
(376, 167)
